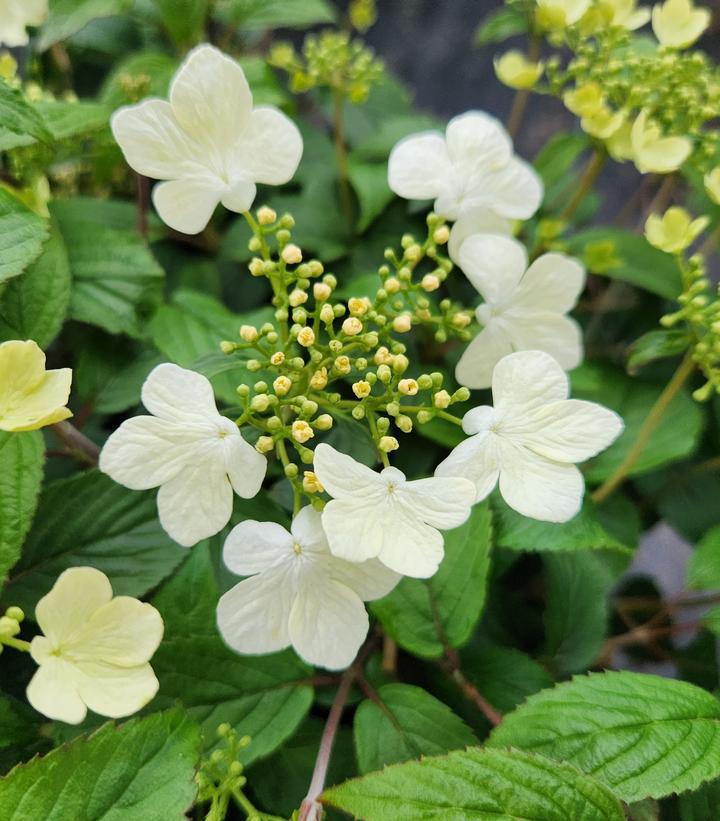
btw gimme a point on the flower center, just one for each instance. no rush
(297, 547)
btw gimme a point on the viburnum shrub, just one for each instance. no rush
(346, 446)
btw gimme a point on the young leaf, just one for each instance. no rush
(656, 345)
(703, 572)
(405, 722)
(259, 15)
(22, 456)
(642, 735)
(67, 17)
(22, 233)
(499, 25)
(18, 116)
(369, 179)
(90, 520)
(477, 785)
(422, 615)
(141, 770)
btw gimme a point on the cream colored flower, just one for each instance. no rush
(30, 396)
(16, 16)
(712, 185)
(515, 70)
(561, 13)
(626, 14)
(675, 230)
(596, 117)
(654, 152)
(95, 649)
(679, 23)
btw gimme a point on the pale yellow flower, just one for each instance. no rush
(678, 23)
(561, 13)
(652, 151)
(30, 396)
(597, 118)
(674, 231)
(619, 144)
(515, 70)
(625, 13)
(712, 185)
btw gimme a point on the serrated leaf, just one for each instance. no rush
(143, 769)
(22, 233)
(451, 601)
(405, 722)
(18, 116)
(499, 25)
(20, 732)
(67, 17)
(703, 570)
(62, 120)
(90, 520)
(369, 179)
(265, 697)
(34, 306)
(642, 735)
(22, 457)
(477, 785)
(656, 345)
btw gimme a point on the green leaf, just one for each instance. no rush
(143, 769)
(369, 179)
(476, 785)
(111, 290)
(22, 233)
(258, 15)
(18, 116)
(90, 520)
(377, 145)
(122, 390)
(21, 732)
(500, 25)
(711, 620)
(703, 571)
(700, 805)
(656, 345)
(644, 736)
(67, 17)
(556, 160)
(184, 19)
(405, 722)
(451, 601)
(265, 697)
(22, 457)
(637, 262)
(34, 305)
(63, 120)
(154, 69)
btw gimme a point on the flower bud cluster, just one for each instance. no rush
(221, 774)
(10, 625)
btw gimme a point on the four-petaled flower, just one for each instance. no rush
(16, 16)
(524, 308)
(382, 515)
(531, 439)
(196, 456)
(208, 142)
(654, 152)
(678, 23)
(30, 396)
(95, 650)
(297, 592)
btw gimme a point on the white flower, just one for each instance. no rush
(95, 649)
(382, 515)
(196, 456)
(472, 166)
(16, 16)
(531, 439)
(298, 593)
(208, 142)
(479, 220)
(524, 307)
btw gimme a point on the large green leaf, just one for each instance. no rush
(477, 785)
(702, 804)
(116, 279)
(22, 233)
(422, 615)
(141, 771)
(17, 116)
(265, 697)
(404, 722)
(21, 732)
(34, 305)
(63, 119)
(22, 456)
(268, 14)
(67, 17)
(183, 19)
(90, 520)
(644, 736)
(369, 179)
(703, 572)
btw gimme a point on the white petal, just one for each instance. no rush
(53, 693)
(514, 191)
(75, 596)
(178, 394)
(307, 531)
(253, 547)
(153, 142)
(476, 142)
(370, 580)
(354, 530)
(144, 452)
(479, 420)
(187, 204)
(239, 196)
(443, 503)
(244, 465)
(343, 477)
(328, 623)
(419, 167)
(571, 430)
(210, 98)
(410, 547)
(478, 360)
(522, 381)
(196, 503)
(494, 265)
(555, 334)
(479, 220)
(116, 691)
(253, 616)
(537, 487)
(270, 147)
(475, 459)
(552, 283)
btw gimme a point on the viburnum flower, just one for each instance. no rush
(186, 448)
(476, 221)
(654, 152)
(95, 649)
(472, 166)
(524, 308)
(515, 70)
(712, 184)
(679, 23)
(675, 230)
(30, 396)
(208, 142)
(16, 16)
(561, 13)
(382, 515)
(297, 592)
(589, 103)
(624, 13)
(531, 439)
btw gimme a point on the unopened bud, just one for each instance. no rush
(430, 283)
(392, 285)
(306, 337)
(387, 444)
(321, 291)
(227, 347)
(402, 324)
(297, 297)
(282, 385)
(409, 387)
(405, 423)
(264, 444)
(441, 235)
(260, 403)
(266, 216)
(291, 254)
(248, 333)
(311, 483)
(383, 356)
(358, 305)
(442, 400)
(324, 422)
(327, 315)
(352, 326)
(301, 431)
(400, 363)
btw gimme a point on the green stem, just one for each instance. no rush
(250, 810)
(341, 155)
(282, 454)
(17, 644)
(590, 173)
(370, 416)
(522, 96)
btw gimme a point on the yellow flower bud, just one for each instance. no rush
(264, 444)
(409, 387)
(387, 444)
(301, 431)
(342, 364)
(227, 347)
(321, 291)
(402, 324)
(352, 326)
(461, 320)
(327, 314)
(297, 297)
(361, 389)
(319, 379)
(358, 305)
(282, 385)
(324, 421)
(306, 337)
(515, 70)
(674, 231)
(441, 235)
(383, 356)
(392, 285)
(430, 283)
(248, 333)
(291, 254)
(277, 358)
(405, 423)
(260, 403)
(442, 400)
(266, 216)
(311, 483)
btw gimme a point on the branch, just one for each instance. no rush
(77, 443)
(469, 690)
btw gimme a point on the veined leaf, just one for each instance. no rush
(67, 17)
(704, 565)
(17, 116)
(22, 234)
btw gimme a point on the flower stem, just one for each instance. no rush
(77, 443)
(370, 416)
(651, 422)
(522, 96)
(250, 810)
(590, 173)
(341, 155)
(17, 644)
